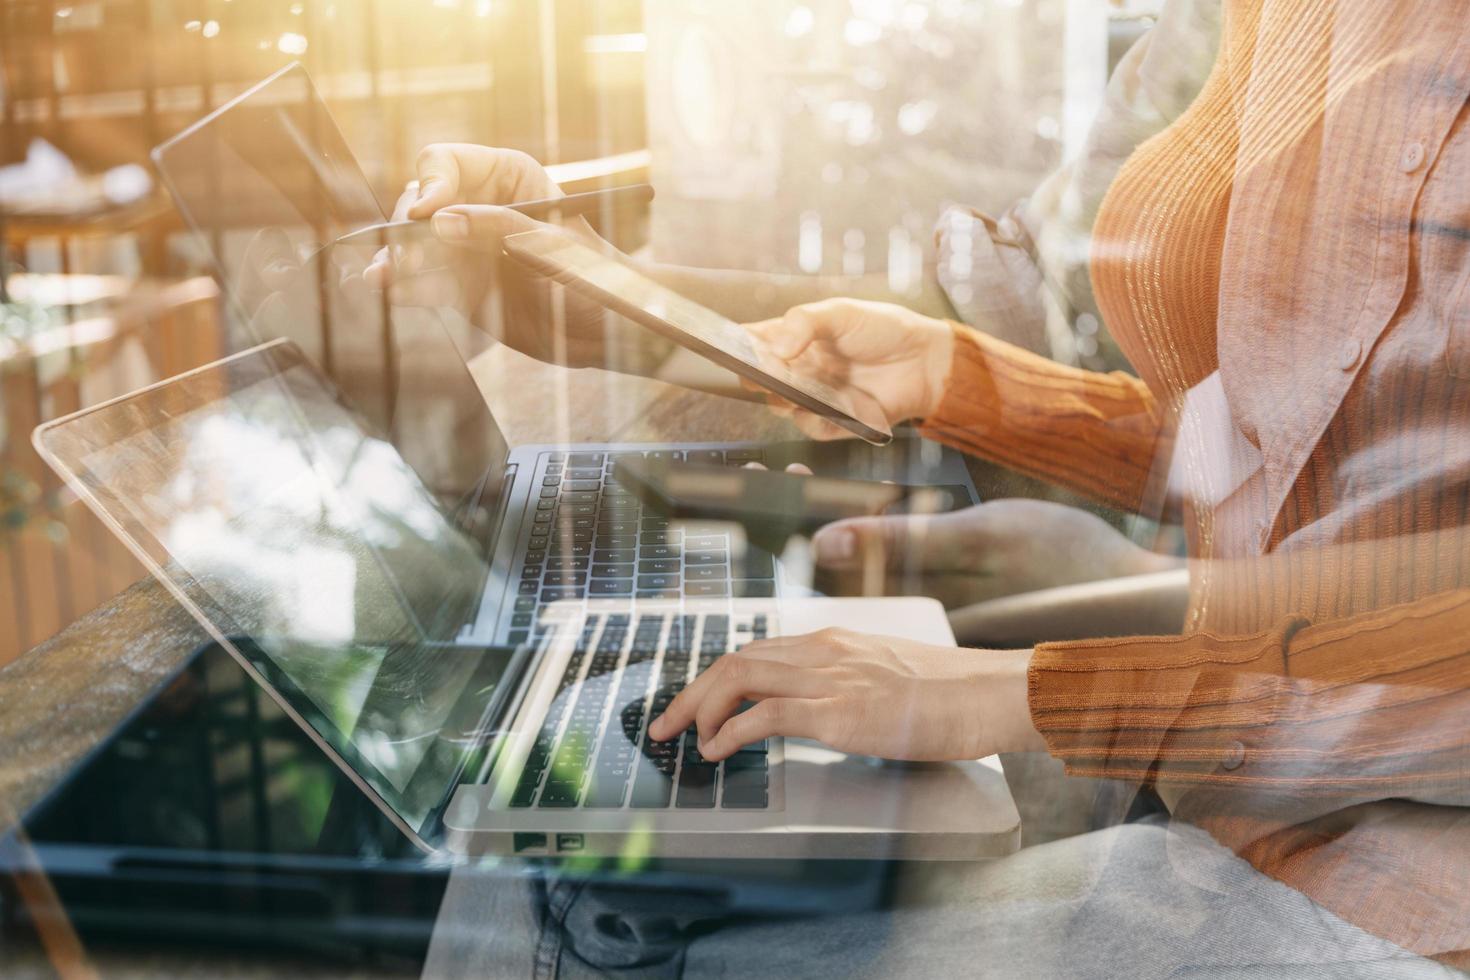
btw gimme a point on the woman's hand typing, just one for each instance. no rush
(870, 695)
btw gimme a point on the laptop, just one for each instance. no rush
(480, 687)
(553, 565)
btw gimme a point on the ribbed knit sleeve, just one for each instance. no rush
(1364, 708)
(1094, 433)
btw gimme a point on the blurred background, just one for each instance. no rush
(814, 137)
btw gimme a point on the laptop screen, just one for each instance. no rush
(303, 537)
(266, 181)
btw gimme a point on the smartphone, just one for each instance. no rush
(772, 497)
(611, 280)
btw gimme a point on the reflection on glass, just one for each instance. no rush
(313, 541)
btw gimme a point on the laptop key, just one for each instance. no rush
(525, 793)
(614, 556)
(611, 586)
(565, 578)
(525, 605)
(706, 589)
(618, 527)
(663, 454)
(760, 589)
(658, 581)
(704, 558)
(584, 473)
(744, 456)
(705, 573)
(745, 789)
(579, 497)
(661, 537)
(584, 459)
(577, 510)
(756, 564)
(616, 541)
(561, 593)
(559, 793)
(743, 760)
(696, 785)
(659, 594)
(714, 542)
(581, 486)
(705, 456)
(662, 566)
(607, 790)
(658, 552)
(620, 570)
(651, 789)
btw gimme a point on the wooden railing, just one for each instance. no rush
(61, 562)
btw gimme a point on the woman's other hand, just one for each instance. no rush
(873, 351)
(462, 190)
(1004, 547)
(870, 695)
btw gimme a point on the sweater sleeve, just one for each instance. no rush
(1369, 707)
(1098, 434)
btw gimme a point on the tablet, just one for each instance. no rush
(611, 280)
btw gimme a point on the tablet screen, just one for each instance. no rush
(614, 282)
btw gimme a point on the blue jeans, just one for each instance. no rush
(1146, 899)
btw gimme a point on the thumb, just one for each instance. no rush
(481, 227)
(438, 175)
(788, 337)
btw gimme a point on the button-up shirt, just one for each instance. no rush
(1287, 267)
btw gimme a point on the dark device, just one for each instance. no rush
(772, 498)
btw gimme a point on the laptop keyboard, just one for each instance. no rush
(590, 539)
(593, 748)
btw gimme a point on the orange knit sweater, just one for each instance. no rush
(1300, 242)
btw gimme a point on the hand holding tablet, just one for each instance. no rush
(610, 280)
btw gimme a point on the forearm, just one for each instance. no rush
(1364, 708)
(1098, 434)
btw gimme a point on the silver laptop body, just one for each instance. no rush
(318, 558)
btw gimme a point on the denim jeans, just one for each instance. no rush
(1111, 903)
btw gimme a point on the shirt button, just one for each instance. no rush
(1234, 756)
(1413, 157)
(1352, 353)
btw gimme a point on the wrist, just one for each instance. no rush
(936, 342)
(1003, 691)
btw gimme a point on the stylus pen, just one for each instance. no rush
(572, 204)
